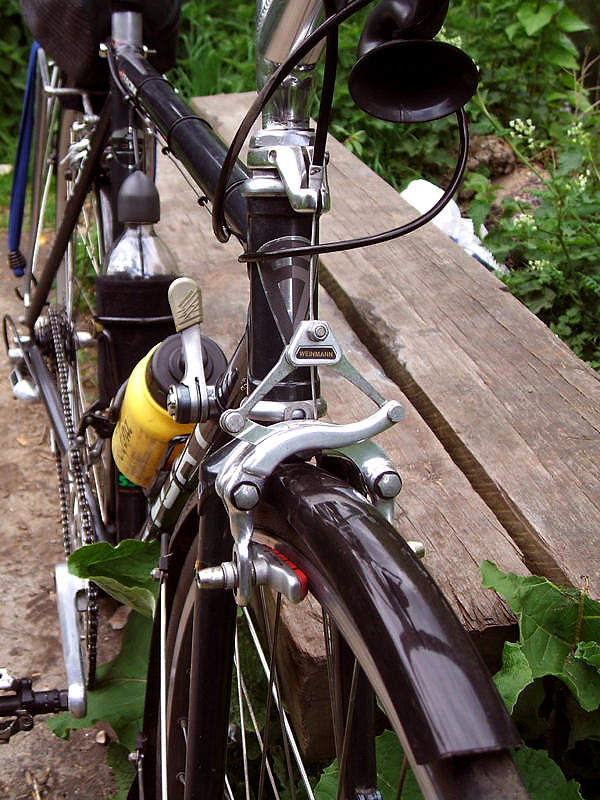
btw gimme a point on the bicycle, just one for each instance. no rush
(258, 503)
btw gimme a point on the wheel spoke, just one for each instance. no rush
(242, 725)
(286, 726)
(347, 728)
(257, 733)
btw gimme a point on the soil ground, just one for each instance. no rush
(36, 764)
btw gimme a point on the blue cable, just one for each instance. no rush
(16, 259)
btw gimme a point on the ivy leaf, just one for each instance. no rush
(543, 778)
(569, 22)
(532, 19)
(122, 571)
(560, 56)
(552, 622)
(118, 697)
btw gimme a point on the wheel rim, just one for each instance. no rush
(254, 774)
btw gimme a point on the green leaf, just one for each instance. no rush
(582, 724)
(532, 19)
(543, 778)
(389, 763)
(569, 22)
(569, 161)
(118, 697)
(589, 652)
(512, 30)
(117, 758)
(560, 57)
(122, 571)
(514, 675)
(552, 622)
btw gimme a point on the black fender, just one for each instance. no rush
(435, 680)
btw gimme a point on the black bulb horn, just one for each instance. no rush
(401, 75)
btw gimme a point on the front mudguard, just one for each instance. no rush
(394, 614)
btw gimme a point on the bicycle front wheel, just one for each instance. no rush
(255, 709)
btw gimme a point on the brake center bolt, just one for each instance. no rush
(388, 485)
(245, 496)
(318, 332)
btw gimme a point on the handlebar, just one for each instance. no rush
(188, 137)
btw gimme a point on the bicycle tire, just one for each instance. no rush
(470, 775)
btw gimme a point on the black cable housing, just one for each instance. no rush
(393, 233)
(328, 29)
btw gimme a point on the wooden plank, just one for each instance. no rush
(512, 405)
(437, 505)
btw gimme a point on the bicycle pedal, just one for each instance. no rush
(23, 386)
(69, 592)
(7, 682)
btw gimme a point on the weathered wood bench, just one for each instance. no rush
(500, 447)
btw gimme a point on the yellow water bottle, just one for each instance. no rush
(144, 426)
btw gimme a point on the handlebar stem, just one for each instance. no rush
(281, 25)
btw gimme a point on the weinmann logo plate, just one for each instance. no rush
(308, 353)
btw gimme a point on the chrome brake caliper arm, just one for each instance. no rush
(260, 450)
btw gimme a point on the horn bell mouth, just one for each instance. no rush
(413, 80)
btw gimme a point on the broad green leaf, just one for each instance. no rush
(122, 571)
(326, 788)
(531, 723)
(117, 758)
(389, 763)
(512, 30)
(118, 697)
(543, 778)
(569, 22)
(532, 19)
(582, 724)
(560, 57)
(514, 675)
(552, 622)
(589, 652)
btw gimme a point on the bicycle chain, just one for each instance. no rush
(57, 321)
